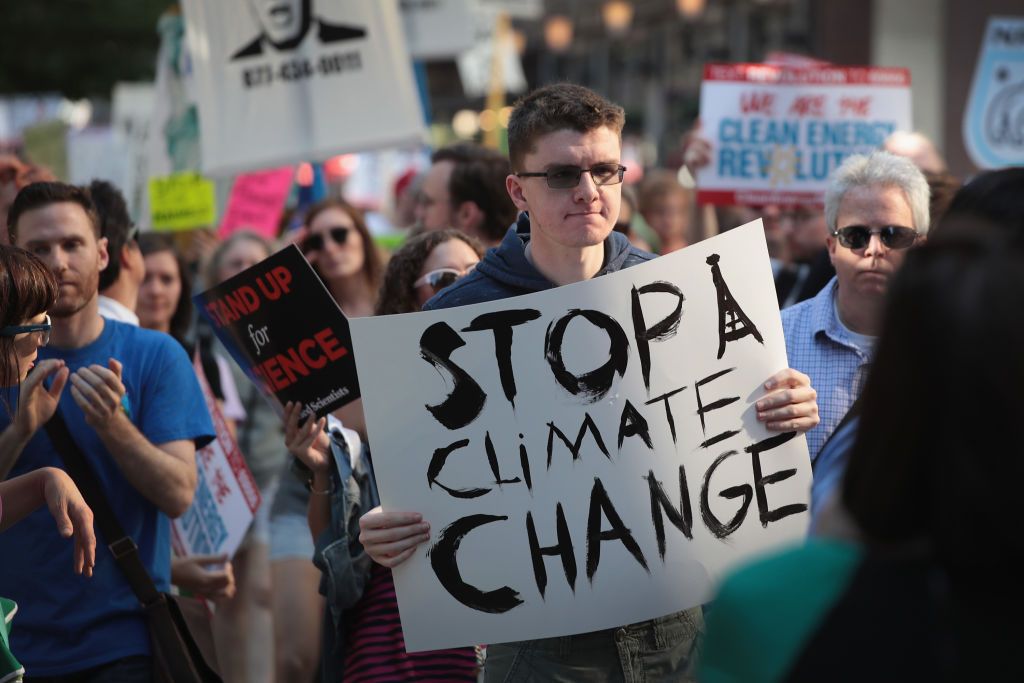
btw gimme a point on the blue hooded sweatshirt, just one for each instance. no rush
(505, 271)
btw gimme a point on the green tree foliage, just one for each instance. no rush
(77, 48)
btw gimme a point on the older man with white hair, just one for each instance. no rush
(876, 207)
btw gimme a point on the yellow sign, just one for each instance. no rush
(182, 201)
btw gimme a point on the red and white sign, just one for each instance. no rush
(778, 132)
(226, 497)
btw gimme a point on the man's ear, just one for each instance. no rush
(468, 217)
(514, 186)
(831, 243)
(103, 258)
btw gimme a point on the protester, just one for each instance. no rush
(121, 279)
(29, 290)
(994, 198)
(131, 409)
(465, 189)
(564, 147)
(247, 619)
(809, 267)
(424, 266)
(363, 634)
(667, 207)
(876, 207)
(165, 298)
(480, 206)
(929, 589)
(165, 305)
(338, 245)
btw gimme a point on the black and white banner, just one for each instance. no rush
(284, 81)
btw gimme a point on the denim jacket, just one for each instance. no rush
(344, 565)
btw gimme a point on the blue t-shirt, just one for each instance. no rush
(66, 622)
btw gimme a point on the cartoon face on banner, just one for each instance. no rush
(285, 24)
(275, 80)
(994, 117)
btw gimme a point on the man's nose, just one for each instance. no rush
(875, 246)
(586, 189)
(57, 260)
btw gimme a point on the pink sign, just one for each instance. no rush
(257, 201)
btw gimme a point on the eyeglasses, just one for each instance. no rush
(43, 327)
(315, 242)
(441, 278)
(565, 177)
(892, 236)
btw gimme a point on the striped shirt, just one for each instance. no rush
(376, 647)
(836, 360)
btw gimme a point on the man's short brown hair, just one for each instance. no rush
(41, 195)
(562, 106)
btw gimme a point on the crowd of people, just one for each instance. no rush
(899, 310)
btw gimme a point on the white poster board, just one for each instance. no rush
(778, 132)
(226, 497)
(277, 86)
(506, 463)
(476, 65)
(994, 117)
(437, 29)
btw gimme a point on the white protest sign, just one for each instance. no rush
(994, 116)
(279, 83)
(476, 65)
(437, 29)
(777, 132)
(587, 456)
(226, 497)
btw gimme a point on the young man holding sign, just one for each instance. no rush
(565, 152)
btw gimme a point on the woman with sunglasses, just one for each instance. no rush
(424, 266)
(27, 290)
(339, 246)
(369, 644)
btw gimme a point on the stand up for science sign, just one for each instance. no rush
(282, 82)
(588, 456)
(280, 324)
(778, 132)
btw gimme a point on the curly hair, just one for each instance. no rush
(397, 295)
(27, 288)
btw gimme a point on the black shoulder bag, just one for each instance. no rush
(176, 656)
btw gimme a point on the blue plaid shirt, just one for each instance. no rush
(821, 348)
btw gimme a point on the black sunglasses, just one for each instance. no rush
(315, 242)
(441, 278)
(14, 330)
(892, 236)
(565, 177)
